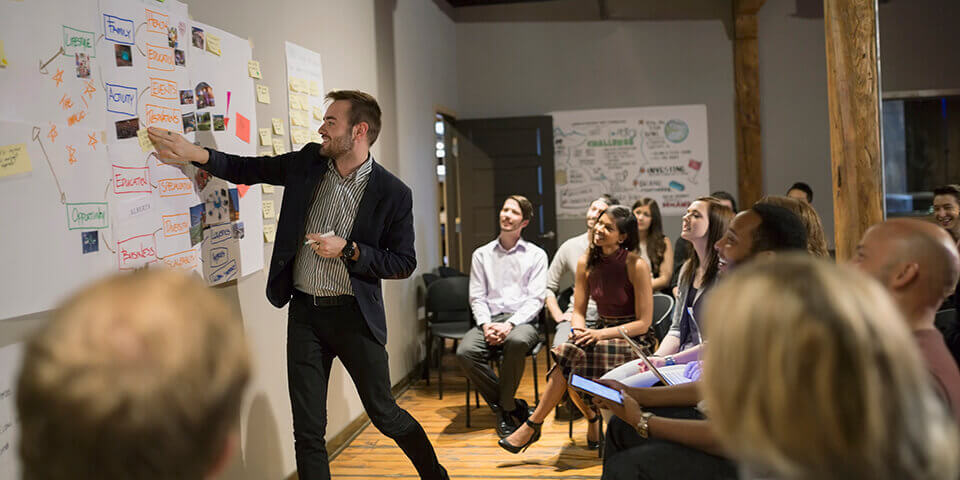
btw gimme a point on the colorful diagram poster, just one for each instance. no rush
(631, 153)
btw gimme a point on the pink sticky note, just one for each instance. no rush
(243, 128)
(242, 189)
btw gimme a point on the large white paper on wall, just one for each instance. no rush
(631, 153)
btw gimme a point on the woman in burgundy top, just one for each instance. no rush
(619, 281)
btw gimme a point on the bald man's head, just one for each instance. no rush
(915, 260)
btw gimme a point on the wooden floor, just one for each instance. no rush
(469, 452)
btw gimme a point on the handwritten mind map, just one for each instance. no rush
(82, 79)
(631, 153)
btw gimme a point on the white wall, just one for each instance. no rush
(399, 51)
(527, 68)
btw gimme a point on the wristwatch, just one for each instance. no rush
(668, 360)
(348, 250)
(643, 427)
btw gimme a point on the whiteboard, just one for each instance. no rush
(82, 79)
(630, 153)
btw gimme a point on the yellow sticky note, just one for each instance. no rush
(263, 94)
(213, 44)
(299, 136)
(269, 232)
(318, 113)
(266, 153)
(296, 119)
(294, 84)
(314, 88)
(264, 136)
(145, 144)
(253, 69)
(304, 102)
(294, 101)
(268, 209)
(277, 126)
(267, 188)
(278, 147)
(315, 137)
(14, 159)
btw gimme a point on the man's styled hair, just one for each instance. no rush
(951, 189)
(136, 377)
(722, 195)
(816, 240)
(363, 108)
(610, 200)
(803, 187)
(525, 206)
(779, 229)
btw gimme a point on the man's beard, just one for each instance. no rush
(337, 146)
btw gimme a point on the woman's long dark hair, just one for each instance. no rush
(656, 245)
(626, 223)
(719, 216)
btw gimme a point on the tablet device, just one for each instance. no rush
(595, 389)
(636, 349)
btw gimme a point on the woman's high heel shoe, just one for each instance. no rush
(519, 448)
(596, 445)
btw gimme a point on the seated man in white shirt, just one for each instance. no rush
(508, 279)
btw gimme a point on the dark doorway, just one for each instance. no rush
(499, 157)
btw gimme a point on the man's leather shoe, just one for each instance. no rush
(505, 424)
(521, 412)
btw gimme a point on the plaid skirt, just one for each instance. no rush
(595, 360)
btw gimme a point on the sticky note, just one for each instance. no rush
(315, 137)
(304, 102)
(145, 144)
(264, 136)
(266, 153)
(253, 68)
(314, 88)
(296, 119)
(14, 159)
(294, 84)
(263, 94)
(243, 128)
(318, 113)
(268, 209)
(299, 137)
(267, 188)
(269, 232)
(294, 101)
(213, 43)
(278, 147)
(277, 126)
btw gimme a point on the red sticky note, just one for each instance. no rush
(242, 189)
(243, 128)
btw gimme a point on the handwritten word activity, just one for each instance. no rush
(82, 83)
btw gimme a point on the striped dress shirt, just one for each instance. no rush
(334, 208)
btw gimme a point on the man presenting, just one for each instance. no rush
(336, 309)
(508, 280)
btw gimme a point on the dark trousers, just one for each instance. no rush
(315, 336)
(627, 455)
(473, 354)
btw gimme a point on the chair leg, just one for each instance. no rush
(440, 376)
(536, 382)
(476, 398)
(467, 403)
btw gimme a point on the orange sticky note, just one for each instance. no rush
(243, 128)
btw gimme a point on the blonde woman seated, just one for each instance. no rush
(618, 280)
(814, 376)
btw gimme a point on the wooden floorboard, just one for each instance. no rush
(469, 452)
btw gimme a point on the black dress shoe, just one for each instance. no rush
(505, 424)
(568, 411)
(521, 412)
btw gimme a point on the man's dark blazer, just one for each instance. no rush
(383, 228)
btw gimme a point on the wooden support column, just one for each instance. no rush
(746, 58)
(854, 87)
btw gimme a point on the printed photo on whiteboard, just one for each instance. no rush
(179, 59)
(83, 65)
(198, 38)
(124, 57)
(172, 37)
(203, 121)
(204, 95)
(218, 124)
(186, 97)
(127, 128)
(238, 232)
(189, 122)
(91, 241)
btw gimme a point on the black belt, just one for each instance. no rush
(326, 301)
